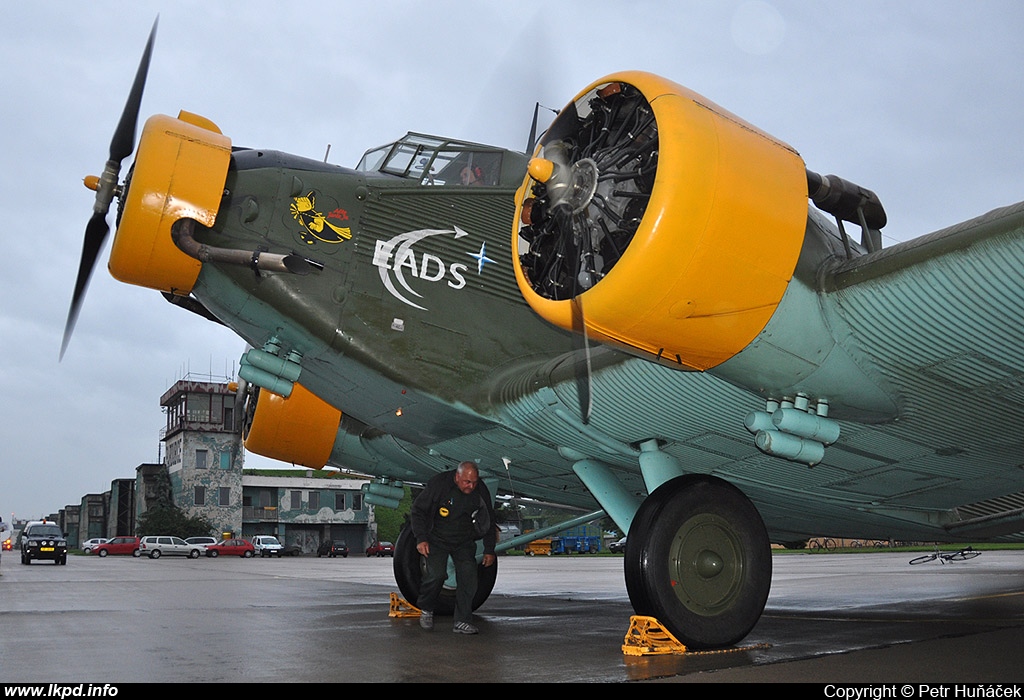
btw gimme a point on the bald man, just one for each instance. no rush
(442, 521)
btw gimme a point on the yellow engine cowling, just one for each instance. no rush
(300, 429)
(716, 245)
(180, 169)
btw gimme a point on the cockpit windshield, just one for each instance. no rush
(429, 160)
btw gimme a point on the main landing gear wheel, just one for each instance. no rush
(410, 566)
(699, 561)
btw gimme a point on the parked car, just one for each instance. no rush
(202, 542)
(380, 549)
(337, 548)
(293, 550)
(43, 539)
(90, 545)
(234, 547)
(118, 545)
(618, 546)
(7, 545)
(155, 546)
(267, 545)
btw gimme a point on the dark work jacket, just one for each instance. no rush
(425, 506)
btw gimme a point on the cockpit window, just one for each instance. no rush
(436, 162)
(373, 159)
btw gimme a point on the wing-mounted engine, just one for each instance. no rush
(300, 429)
(179, 173)
(674, 225)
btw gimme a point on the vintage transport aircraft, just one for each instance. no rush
(660, 316)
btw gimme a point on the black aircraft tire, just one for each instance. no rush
(409, 565)
(699, 561)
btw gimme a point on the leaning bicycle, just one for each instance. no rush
(961, 555)
(818, 543)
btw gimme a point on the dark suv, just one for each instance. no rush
(43, 539)
(332, 549)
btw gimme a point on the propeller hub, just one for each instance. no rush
(572, 185)
(583, 185)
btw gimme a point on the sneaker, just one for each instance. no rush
(464, 628)
(427, 620)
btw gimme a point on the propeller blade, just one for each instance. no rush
(534, 136)
(95, 235)
(121, 146)
(123, 143)
(583, 366)
(532, 143)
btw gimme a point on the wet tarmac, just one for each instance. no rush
(831, 618)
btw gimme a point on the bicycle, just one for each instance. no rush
(826, 543)
(961, 555)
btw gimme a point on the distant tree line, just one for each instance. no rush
(167, 519)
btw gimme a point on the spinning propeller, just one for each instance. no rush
(106, 186)
(593, 178)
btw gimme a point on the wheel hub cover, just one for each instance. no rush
(706, 564)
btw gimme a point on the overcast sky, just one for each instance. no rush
(920, 101)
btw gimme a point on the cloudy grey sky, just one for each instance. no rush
(920, 101)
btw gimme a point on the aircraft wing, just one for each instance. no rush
(937, 320)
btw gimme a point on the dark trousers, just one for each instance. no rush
(464, 558)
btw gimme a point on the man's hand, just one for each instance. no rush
(423, 548)
(489, 560)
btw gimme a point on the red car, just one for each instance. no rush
(236, 547)
(380, 549)
(118, 545)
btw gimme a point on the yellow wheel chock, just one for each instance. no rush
(400, 607)
(647, 636)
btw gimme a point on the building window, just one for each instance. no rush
(200, 497)
(197, 408)
(296, 500)
(339, 501)
(225, 495)
(201, 459)
(174, 451)
(357, 501)
(314, 500)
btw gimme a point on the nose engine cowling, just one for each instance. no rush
(673, 225)
(179, 172)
